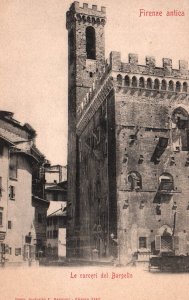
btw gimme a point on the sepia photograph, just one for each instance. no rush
(94, 149)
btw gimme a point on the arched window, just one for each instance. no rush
(180, 136)
(178, 86)
(164, 85)
(166, 182)
(135, 181)
(127, 81)
(119, 79)
(156, 84)
(90, 43)
(171, 85)
(134, 81)
(149, 83)
(184, 89)
(141, 82)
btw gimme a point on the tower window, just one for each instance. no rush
(90, 43)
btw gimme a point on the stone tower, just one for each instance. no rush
(86, 60)
(128, 163)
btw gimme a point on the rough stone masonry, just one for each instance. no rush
(128, 149)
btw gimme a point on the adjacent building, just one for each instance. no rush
(56, 195)
(128, 148)
(22, 213)
(54, 174)
(56, 230)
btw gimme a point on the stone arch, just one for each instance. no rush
(165, 229)
(98, 21)
(84, 19)
(156, 84)
(171, 86)
(164, 85)
(119, 79)
(141, 82)
(178, 86)
(184, 87)
(127, 80)
(134, 81)
(149, 83)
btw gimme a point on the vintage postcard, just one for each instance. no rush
(94, 150)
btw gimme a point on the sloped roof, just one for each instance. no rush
(57, 208)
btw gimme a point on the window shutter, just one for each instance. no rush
(158, 242)
(13, 191)
(176, 242)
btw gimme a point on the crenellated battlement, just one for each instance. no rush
(147, 77)
(85, 14)
(132, 66)
(76, 7)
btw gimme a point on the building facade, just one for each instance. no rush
(56, 195)
(128, 148)
(56, 230)
(22, 231)
(54, 174)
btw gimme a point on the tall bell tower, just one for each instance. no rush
(86, 61)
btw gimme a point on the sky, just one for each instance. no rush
(33, 56)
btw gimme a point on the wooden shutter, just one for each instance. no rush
(158, 242)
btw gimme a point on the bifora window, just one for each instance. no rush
(90, 43)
